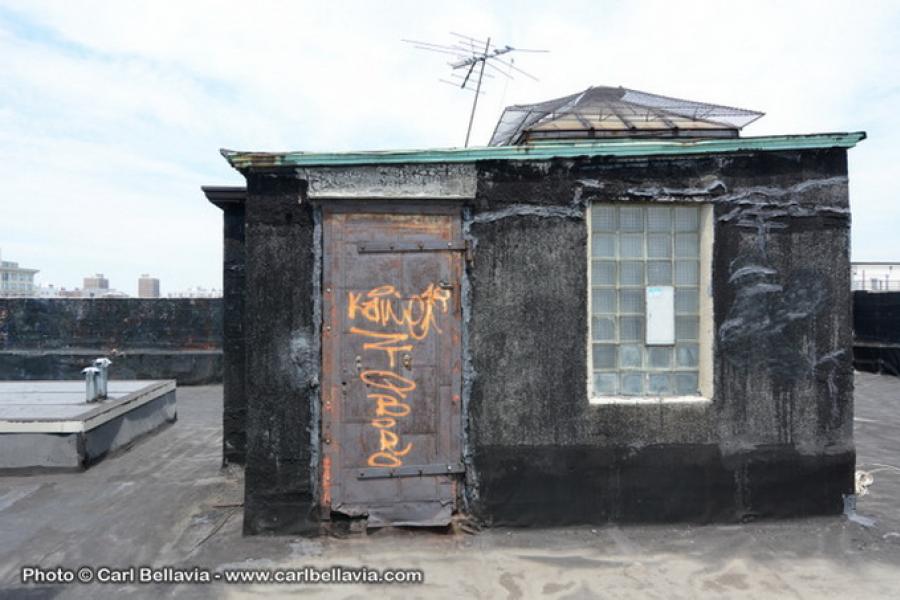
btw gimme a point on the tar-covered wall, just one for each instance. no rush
(281, 375)
(161, 338)
(231, 200)
(234, 406)
(776, 438)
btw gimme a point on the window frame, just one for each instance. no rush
(705, 310)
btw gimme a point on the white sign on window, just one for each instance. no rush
(660, 315)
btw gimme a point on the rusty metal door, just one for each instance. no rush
(391, 362)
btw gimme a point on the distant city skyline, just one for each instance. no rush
(93, 285)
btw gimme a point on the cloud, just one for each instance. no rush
(111, 113)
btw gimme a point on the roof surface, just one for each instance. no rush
(544, 151)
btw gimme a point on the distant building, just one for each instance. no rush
(197, 292)
(16, 280)
(94, 287)
(47, 291)
(875, 276)
(148, 287)
(98, 285)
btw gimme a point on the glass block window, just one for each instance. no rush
(633, 247)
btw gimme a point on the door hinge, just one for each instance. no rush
(392, 247)
(410, 471)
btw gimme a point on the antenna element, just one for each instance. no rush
(470, 55)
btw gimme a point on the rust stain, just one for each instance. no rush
(329, 393)
(326, 480)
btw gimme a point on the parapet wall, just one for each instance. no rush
(177, 339)
(876, 332)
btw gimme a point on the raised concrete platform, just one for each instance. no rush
(48, 425)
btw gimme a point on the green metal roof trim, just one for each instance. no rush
(543, 151)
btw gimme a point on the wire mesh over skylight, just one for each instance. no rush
(604, 112)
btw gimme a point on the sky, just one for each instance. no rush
(112, 113)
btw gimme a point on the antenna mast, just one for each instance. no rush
(482, 60)
(469, 55)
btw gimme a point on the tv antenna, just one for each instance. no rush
(469, 54)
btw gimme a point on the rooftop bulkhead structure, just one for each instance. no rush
(619, 310)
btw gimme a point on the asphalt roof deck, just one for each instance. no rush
(168, 502)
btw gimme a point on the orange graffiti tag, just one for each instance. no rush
(388, 405)
(415, 316)
(388, 455)
(385, 380)
(387, 343)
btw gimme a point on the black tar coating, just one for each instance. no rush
(776, 440)
(782, 412)
(281, 371)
